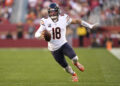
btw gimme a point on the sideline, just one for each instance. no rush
(116, 52)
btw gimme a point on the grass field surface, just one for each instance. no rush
(36, 67)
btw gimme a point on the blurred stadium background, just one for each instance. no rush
(19, 19)
(25, 62)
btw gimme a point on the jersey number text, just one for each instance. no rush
(56, 33)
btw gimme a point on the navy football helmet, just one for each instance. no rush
(53, 11)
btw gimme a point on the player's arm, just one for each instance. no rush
(84, 23)
(79, 21)
(39, 34)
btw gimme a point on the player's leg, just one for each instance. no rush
(74, 75)
(77, 64)
(68, 51)
(59, 57)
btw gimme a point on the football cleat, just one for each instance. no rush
(79, 66)
(74, 77)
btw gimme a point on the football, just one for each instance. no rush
(47, 35)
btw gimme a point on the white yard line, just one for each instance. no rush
(116, 52)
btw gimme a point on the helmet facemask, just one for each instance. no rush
(53, 13)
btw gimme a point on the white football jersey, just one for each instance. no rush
(57, 30)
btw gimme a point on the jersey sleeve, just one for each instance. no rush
(67, 19)
(40, 29)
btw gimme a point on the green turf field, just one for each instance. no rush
(36, 67)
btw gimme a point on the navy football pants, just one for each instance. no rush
(67, 50)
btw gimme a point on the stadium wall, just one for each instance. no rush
(5, 43)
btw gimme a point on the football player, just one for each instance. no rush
(56, 25)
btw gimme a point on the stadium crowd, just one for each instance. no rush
(37, 9)
(111, 16)
(5, 10)
(75, 8)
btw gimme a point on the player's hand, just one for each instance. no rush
(94, 26)
(46, 35)
(42, 35)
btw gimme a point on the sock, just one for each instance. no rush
(75, 59)
(69, 70)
